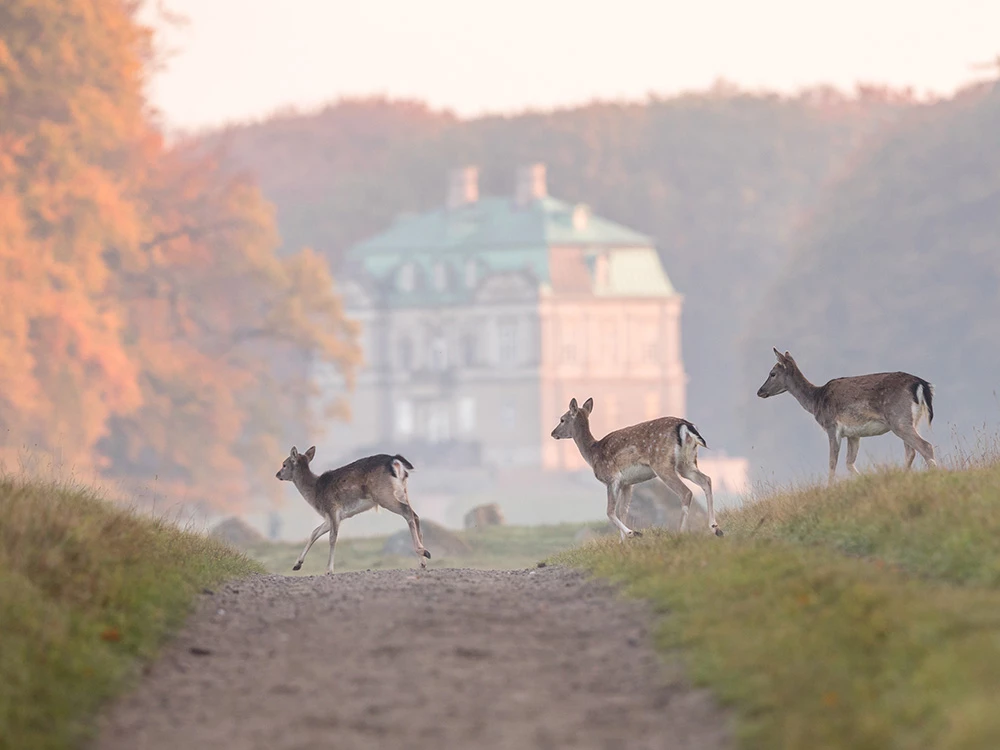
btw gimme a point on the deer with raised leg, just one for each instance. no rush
(859, 406)
(372, 482)
(666, 448)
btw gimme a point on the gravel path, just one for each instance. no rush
(434, 659)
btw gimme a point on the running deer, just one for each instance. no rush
(666, 448)
(860, 406)
(341, 493)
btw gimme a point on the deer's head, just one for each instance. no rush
(574, 419)
(780, 376)
(296, 465)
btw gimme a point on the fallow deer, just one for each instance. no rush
(859, 406)
(666, 448)
(352, 489)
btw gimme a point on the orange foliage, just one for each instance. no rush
(142, 303)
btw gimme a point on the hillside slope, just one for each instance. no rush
(862, 616)
(86, 591)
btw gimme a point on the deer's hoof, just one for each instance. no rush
(426, 553)
(718, 531)
(636, 533)
(297, 566)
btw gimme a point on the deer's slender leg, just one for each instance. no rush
(834, 453)
(400, 508)
(334, 529)
(670, 478)
(316, 534)
(614, 490)
(911, 438)
(624, 500)
(910, 454)
(701, 479)
(853, 446)
(405, 499)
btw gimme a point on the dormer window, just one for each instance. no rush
(406, 278)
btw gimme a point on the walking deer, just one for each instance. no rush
(352, 489)
(860, 406)
(666, 448)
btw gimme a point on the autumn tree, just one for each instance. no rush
(142, 304)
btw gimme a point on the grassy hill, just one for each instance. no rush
(87, 591)
(720, 179)
(898, 270)
(863, 616)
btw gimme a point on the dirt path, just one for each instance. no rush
(436, 660)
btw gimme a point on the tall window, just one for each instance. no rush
(439, 353)
(404, 353)
(438, 423)
(403, 414)
(652, 347)
(569, 352)
(467, 415)
(469, 345)
(507, 335)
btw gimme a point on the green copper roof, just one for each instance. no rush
(498, 223)
(499, 235)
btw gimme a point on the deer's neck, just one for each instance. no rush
(585, 441)
(306, 485)
(804, 392)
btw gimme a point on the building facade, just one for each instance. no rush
(483, 318)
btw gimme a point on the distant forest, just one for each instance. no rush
(859, 231)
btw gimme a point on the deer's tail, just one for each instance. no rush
(400, 467)
(686, 428)
(923, 394)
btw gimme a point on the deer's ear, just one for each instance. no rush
(294, 453)
(588, 406)
(573, 405)
(776, 353)
(310, 453)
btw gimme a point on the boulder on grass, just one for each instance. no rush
(484, 515)
(439, 541)
(654, 506)
(237, 532)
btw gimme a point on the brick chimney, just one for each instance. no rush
(530, 184)
(463, 186)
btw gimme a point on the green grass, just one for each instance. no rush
(491, 548)
(864, 616)
(87, 592)
(943, 524)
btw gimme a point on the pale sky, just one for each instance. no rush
(243, 59)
